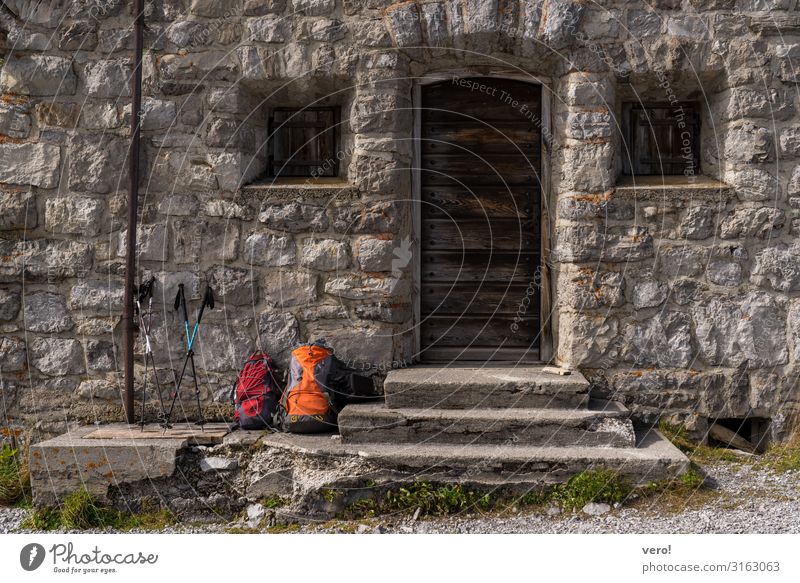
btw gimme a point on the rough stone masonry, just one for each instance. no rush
(681, 301)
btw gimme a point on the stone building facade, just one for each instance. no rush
(677, 295)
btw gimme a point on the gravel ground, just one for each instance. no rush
(10, 519)
(743, 500)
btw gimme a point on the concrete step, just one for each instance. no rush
(603, 424)
(488, 387)
(517, 467)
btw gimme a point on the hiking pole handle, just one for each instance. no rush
(181, 299)
(208, 300)
(180, 302)
(145, 290)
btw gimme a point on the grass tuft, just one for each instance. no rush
(242, 530)
(690, 490)
(780, 458)
(153, 520)
(435, 501)
(15, 480)
(283, 528)
(600, 485)
(82, 511)
(331, 495)
(783, 458)
(430, 499)
(697, 452)
(692, 479)
(45, 519)
(595, 485)
(534, 498)
(275, 501)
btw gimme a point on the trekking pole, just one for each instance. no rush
(208, 300)
(145, 292)
(161, 411)
(180, 303)
(149, 349)
(141, 295)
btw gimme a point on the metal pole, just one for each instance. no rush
(133, 205)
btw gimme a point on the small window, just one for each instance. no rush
(303, 142)
(661, 139)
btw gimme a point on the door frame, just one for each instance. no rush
(546, 341)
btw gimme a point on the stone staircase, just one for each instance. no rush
(503, 425)
(497, 428)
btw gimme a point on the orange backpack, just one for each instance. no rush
(306, 403)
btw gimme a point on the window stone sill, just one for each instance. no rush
(287, 190)
(675, 187)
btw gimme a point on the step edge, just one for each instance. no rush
(653, 448)
(396, 377)
(512, 414)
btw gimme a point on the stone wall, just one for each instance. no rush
(681, 301)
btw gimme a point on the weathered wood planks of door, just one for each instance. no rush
(480, 196)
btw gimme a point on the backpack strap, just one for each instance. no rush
(233, 390)
(279, 418)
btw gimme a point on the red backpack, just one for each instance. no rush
(256, 393)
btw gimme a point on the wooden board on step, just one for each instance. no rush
(557, 370)
(210, 434)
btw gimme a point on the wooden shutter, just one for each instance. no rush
(303, 142)
(661, 139)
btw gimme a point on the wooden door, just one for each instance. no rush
(480, 220)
